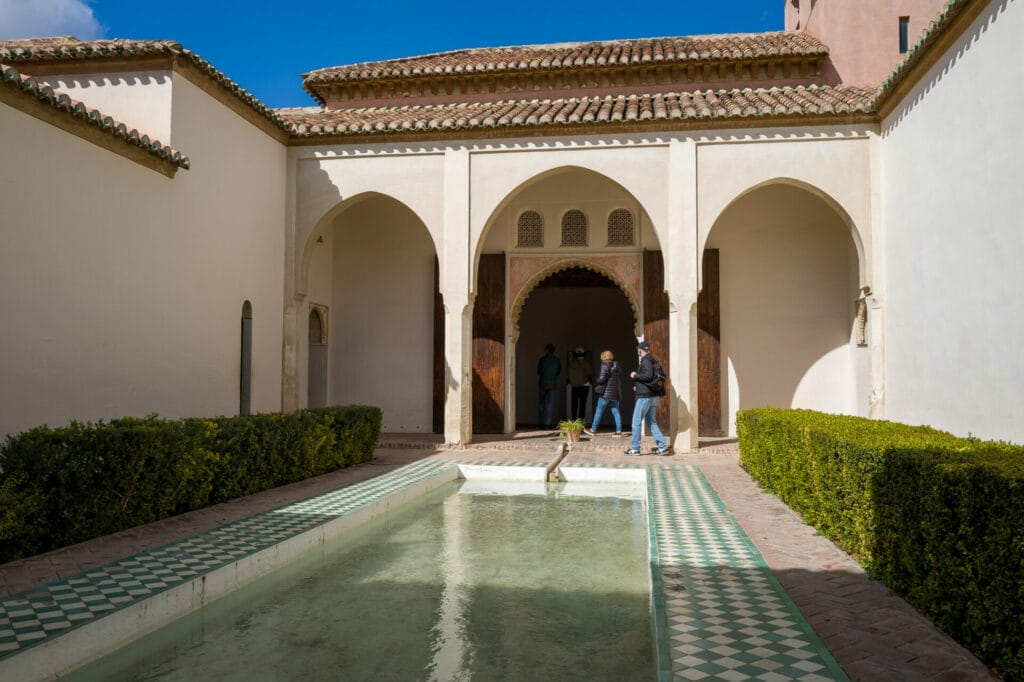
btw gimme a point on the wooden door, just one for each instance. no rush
(709, 353)
(656, 323)
(489, 345)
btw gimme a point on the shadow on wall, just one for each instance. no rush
(488, 415)
(990, 15)
(371, 263)
(788, 283)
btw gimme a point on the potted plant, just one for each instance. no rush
(571, 430)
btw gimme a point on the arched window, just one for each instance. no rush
(574, 228)
(530, 229)
(620, 228)
(245, 381)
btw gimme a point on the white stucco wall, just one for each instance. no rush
(382, 313)
(139, 99)
(498, 176)
(954, 237)
(121, 290)
(834, 164)
(788, 281)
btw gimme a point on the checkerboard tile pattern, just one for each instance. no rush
(32, 617)
(723, 613)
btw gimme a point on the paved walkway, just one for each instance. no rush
(872, 634)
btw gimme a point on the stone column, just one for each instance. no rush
(681, 283)
(873, 280)
(456, 263)
(292, 302)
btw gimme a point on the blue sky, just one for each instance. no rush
(264, 46)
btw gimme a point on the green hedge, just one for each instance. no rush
(59, 486)
(937, 518)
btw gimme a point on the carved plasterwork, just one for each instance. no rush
(526, 272)
(862, 321)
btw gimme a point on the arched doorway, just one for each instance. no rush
(572, 308)
(562, 218)
(776, 314)
(317, 365)
(372, 264)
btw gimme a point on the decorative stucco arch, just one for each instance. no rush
(518, 180)
(302, 284)
(840, 210)
(519, 298)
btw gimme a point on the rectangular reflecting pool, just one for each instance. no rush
(477, 580)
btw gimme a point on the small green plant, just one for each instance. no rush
(571, 429)
(571, 425)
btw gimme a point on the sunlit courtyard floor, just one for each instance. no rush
(872, 634)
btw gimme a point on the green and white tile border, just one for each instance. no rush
(718, 612)
(50, 630)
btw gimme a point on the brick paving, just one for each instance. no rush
(872, 634)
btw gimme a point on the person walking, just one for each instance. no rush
(608, 389)
(548, 369)
(580, 374)
(649, 387)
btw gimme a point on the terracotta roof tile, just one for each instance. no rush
(70, 49)
(708, 105)
(652, 51)
(9, 77)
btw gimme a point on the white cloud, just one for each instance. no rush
(36, 18)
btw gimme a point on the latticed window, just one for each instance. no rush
(531, 229)
(574, 228)
(620, 228)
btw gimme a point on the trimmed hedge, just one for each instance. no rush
(937, 518)
(59, 486)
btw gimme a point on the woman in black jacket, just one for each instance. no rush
(608, 388)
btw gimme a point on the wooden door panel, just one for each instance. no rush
(709, 354)
(489, 346)
(656, 328)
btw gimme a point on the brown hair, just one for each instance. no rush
(607, 355)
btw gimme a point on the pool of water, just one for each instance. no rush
(477, 580)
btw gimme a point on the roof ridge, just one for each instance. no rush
(62, 102)
(558, 45)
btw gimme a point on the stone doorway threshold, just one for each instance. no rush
(531, 438)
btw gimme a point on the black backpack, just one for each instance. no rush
(657, 384)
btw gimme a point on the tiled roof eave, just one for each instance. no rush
(319, 89)
(710, 109)
(955, 17)
(69, 109)
(72, 51)
(578, 129)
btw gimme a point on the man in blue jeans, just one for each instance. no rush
(648, 393)
(548, 369)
